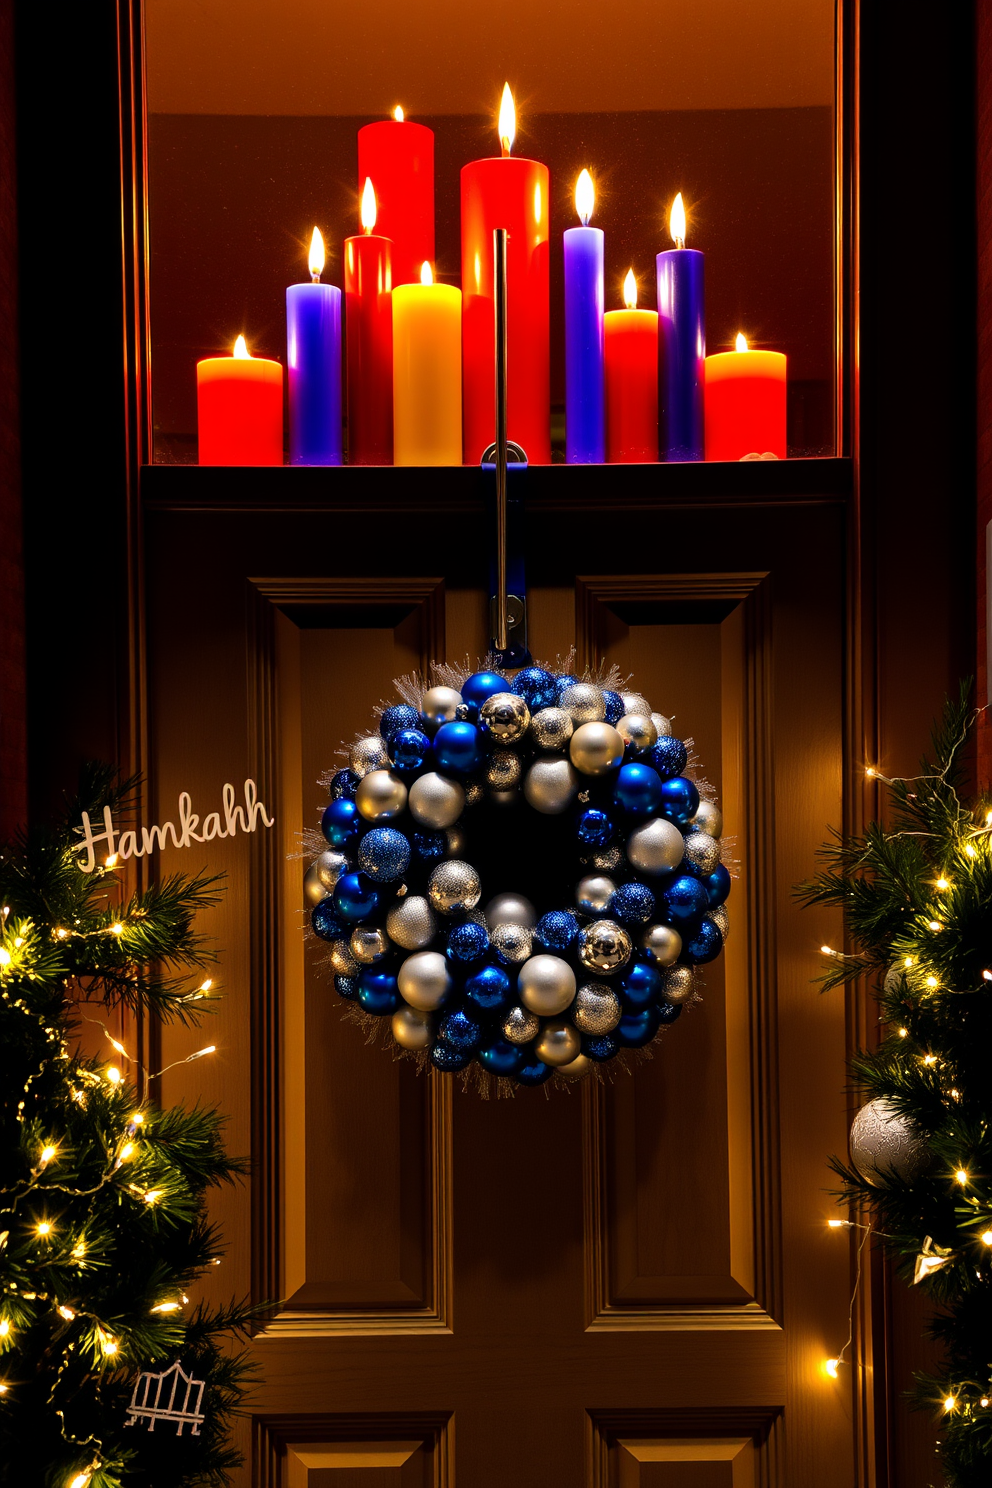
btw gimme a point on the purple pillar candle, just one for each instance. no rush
(313, 344)
(681, 345)
(585, 404)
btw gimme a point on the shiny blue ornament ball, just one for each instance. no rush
(384, 854)
(489, 989)
(356, 897)
(458, 748)
(448, 1059)
(679, 800)
(632, 904)
(637, 1029)
(478, 687)
(501, 1057)
(534, 1072)
(346, 987)
(669, 1011)
(325, 922)
(399, 716)
(468, 942)
(614, 707)
(639, 986)
(705, 945)
(429, 847)
(717, 886)
(638, 790)
(685, 900)
(344, 784)
(459, 1031)
(409, 748)
(340, 822)
(669, 757)
(556, 930)
(537, 687)
(599, 1046)
(594, 828)
(378, 992)
(562, 682)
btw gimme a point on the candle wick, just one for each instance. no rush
(680, 242)
(314, 278)
(505, 147)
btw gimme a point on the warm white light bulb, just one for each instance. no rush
(831, 1366)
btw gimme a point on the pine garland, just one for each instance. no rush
(103, 1230)
(917, 897)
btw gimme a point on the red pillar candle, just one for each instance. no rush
(239, 409)
(368, 309)
(398, 156)
(512, 193)
(631, 381)
(745, 403)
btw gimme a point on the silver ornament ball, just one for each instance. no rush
(368, 754)
(368, 945)
(510, 909)
(721, 920)
(435, 801)
(637, 731)
(341, 959)
(662, 724)
(546, 985)
(576, 1069)
(702, 851)
(454, 887)
(662, 944)
(678, 984)
(635, 702)
(593, 894)
(503, 769)
(314, 889)
(505, 716)
(709, 818)
(520, 1025)
(440, 705)
(884, 1143)
(411, 923)
(584, 703)
(604, 946)
(423, 980)
(551, 786)
(595, 748)
(558, 1044)
(411, 1028)
(380, 796)
(512, 943)
(597, 1008)
(656, 847)
(330, 866)
(551, 728)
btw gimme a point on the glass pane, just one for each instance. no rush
(254, 108)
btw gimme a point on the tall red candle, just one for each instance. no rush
(368, 309)
(398, 155)
(239, 409)
(631, 381)
(512, 193)
(745, 403)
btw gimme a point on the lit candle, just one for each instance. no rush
(369, 328)
(681, 344)
(585, 411)
(239, 409)
(398, 156)
(313, 343)
(427, 372)
(509, 192)
(631, 380)
(745, 403)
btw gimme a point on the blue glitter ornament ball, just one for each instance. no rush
(378, 992)
(458, 748)
(679, 800)
(325, 922)
(594, 828)
(537, 687)
(599, 1046)
(429, 847)
(459, 1031)
(468, 942)
(489, 989)
(409, 748)
(705, 945)
(501, 1057)
(556, 930)
(669, 757)
(355, 897)
(399, 716)
(344, 784)
(637, 1029)
(384, 854)
(341, 822)
(632, 904)
(346, 987)
(534, 1072)
(614, 707)
(638, 790)
(669, 1011)
(444, 1057)
(685, 900)
(717, 886)
(478, 687)
(639, 986)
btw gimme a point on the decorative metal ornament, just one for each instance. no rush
(172, 1396)
(411, 923)
(637, 731)
(342, 961)
(551, 728)
(721, 919)
(440, 705)
(708, 818)
(423, 980)
(635, 702)
(656, 847)
(368, 945)
(512, 943)
(663, 725)
(678, 984)
(584, 703)
(368, 754)
(454, 887)
(597, 1008)
(380, 796)
(503, 770)
(505, 716)
(702, 853)
(662, 944)
(885, 1144)
(596, 748)
(546, 985)
(551, 786)
(314, 889)
(576, 1069)
(520, 1025)
(593, 894)
(411, 1028)
(435, 801)
(604, 946)
(558, 1044)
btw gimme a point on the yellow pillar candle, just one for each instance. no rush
(427, 373)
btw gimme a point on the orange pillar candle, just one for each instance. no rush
(239, 409)
(745, 403)
(631, 381)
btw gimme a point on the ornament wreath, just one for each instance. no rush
(917, 897)
(568, 809)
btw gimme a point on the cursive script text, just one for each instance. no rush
(126, 844)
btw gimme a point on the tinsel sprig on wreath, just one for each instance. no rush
(917, 897)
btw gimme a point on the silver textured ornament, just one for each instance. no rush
(662, 724)
(503, 769)
(546, 985)
(440, 705)
(637, 731)
(330, 866)
(584, 703)
(721, 920)
(512, 943)
(411, 1028)
(593, 894)
(709, 818)
(435, 801)
(884, 1143)
(607, 860)
(656, 847)
(551, 786)
(703, 852)
(314, 889)
(558, 1044)
(551, 728)
(510, 909)
(576, 1069)
(454, 887)
(597, 1008)
(341, 959)
(662, 944)
(368, 944)
(368, 754)
(520, 1025)
(423, 980)
(411, 923)
(678, 984)
(456, 840)
(635, 702)
(380, 796)
(604, 946)
(505, 716)
(595, 748)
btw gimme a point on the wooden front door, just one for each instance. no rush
(629, 1283)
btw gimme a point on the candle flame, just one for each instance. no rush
(585, 197)
(368, 206)
(507, 120)
(741, 343)
(630, 290)
(426, 277)
(398, 114)
(676, 222)
(317, 255)
(241, 350)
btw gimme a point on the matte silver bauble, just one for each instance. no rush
(884, 1143)
(576, 1069)
(313, 885)
(662, 724)
(330, 866)
(551, 786)
(551, 728)
(597, 1008)
(709, 818)
(593, 894)
(380, 796)
(456, 840)
(637, 731)
(341, 959)
(411, 923)
(512, 943)
(546, 985)
(721, 920)
(559, 1044)
(604, 946)
(368, 945)
(435, 801)
(635, 702)
(503, 769)
(368, 754)
(510, 909)
(656, 847)
(584, 703)
(595, 748)
(662, 944)
(607, 860)
(678, 984)
(411, 1028)
(423, 980)
(505, 716)
(454, 887)
(520, 1025)
(440, 705)
(703, 852)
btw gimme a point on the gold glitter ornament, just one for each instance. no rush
(520, 1025)
(454, 887)
(368, 754)
(551, 728)
(503, 769)
(597, 1008)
